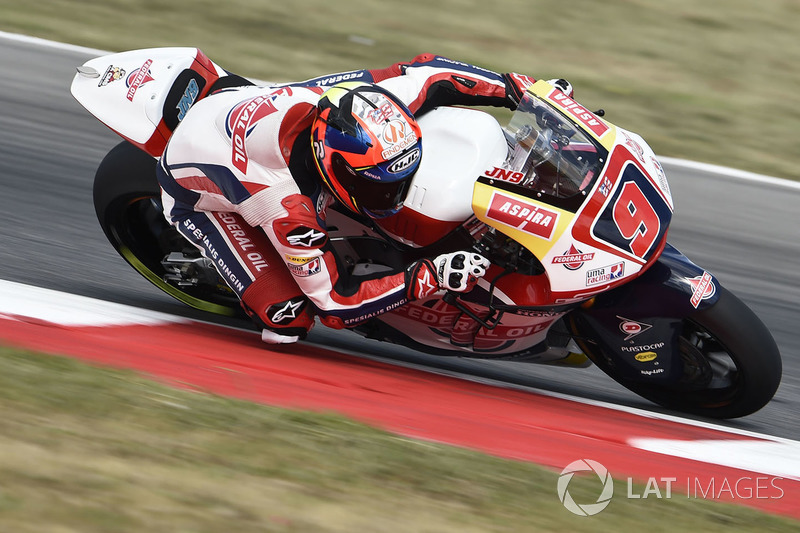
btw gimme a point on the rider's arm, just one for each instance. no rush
(341, 299)
(428, 81)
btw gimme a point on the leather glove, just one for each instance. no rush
(516, 84)
(459, 271)
(563, 85)
(455, 271)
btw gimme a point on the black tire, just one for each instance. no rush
(127, 200)
(731, 364)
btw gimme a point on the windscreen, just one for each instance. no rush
(555, 157)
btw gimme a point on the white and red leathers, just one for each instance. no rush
(239, 183)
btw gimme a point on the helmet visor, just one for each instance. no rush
(371, 190)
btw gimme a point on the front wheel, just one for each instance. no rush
(731, 366)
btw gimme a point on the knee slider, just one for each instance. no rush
(282, 307)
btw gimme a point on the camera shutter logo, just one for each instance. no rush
(587, 509)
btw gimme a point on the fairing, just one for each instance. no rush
(601, 217)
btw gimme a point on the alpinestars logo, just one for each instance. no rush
(425, 284)
(306, 237)
(287, 313)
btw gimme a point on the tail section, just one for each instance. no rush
(143, 94)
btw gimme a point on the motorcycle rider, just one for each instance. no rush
(249, 173)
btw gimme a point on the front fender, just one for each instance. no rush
(632, 330)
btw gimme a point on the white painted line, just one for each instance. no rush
(51, 44)
(781, 459)
(18, 300)
(728, 172)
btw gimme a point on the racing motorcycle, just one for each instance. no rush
(571, 210)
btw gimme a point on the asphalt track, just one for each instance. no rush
(745, 231)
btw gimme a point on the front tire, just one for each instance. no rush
(731, 364)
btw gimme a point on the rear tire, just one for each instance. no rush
(127, 200)
(731, 364)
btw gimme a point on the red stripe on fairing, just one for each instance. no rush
(199, 183)
(509, 423)
(202, 60)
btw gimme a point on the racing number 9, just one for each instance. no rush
(636, 219)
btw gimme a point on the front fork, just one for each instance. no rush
(635, 328)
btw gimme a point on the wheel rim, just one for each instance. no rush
(708, 368)
(139, 245)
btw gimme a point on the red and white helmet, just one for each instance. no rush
(367, 146)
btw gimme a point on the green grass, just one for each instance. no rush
(90, 449)
(712, 81)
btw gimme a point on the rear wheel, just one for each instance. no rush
(127, 199)
(731, 364)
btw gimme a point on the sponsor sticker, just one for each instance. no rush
(504, 174)
(645, 357)
(573, 258)
(703, 288)
(661, 176)
(606, 274)
(345, 76)
(631, 328)
(636, 148)
(643, 347)
(188, 98)
(241, 121)
(307, 267)
(404, 162)
(605, 187)
(112, 74)
(522, 215)
(580, 113)
(394, 131)
(401, 144)
(137, 78)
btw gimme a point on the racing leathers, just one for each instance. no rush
(239, 183)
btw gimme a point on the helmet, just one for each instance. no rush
(367, 147)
